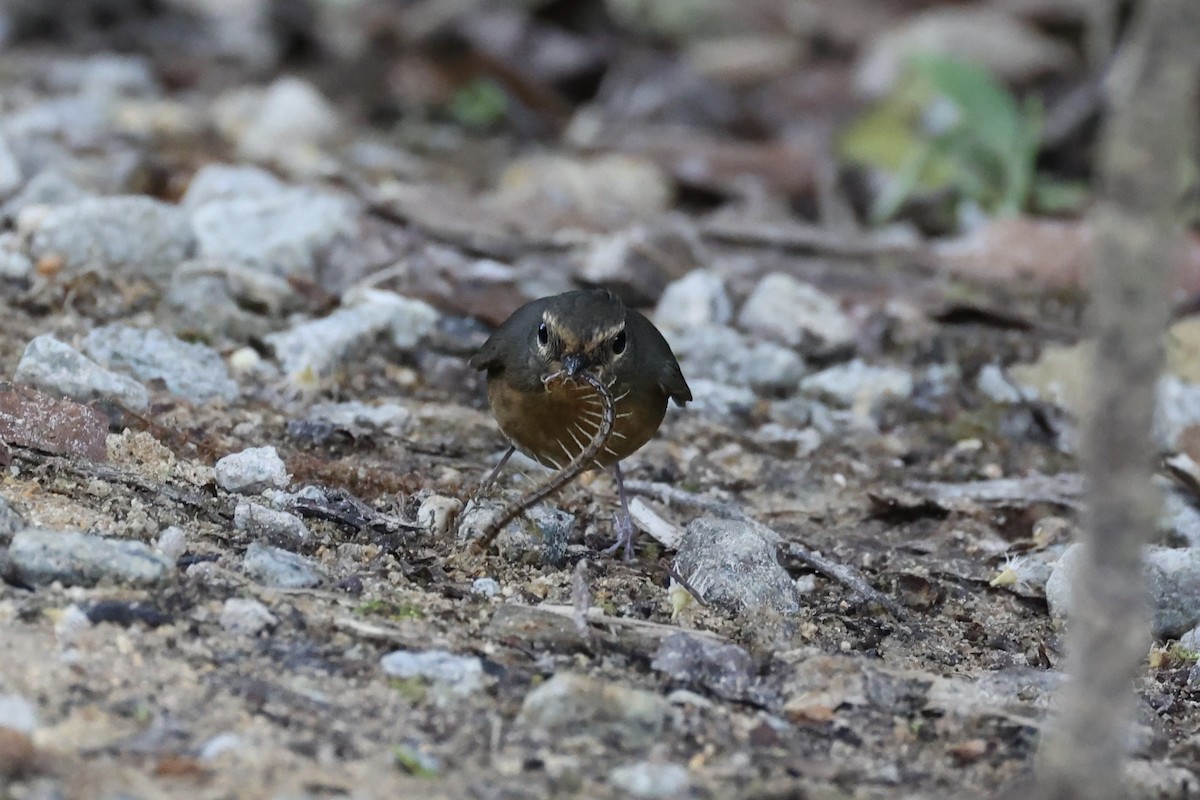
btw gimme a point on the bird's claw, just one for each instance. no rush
(623, 523)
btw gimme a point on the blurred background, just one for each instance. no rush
(879, 125)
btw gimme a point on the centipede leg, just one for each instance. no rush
(491, 476)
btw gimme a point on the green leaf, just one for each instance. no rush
(480, 104)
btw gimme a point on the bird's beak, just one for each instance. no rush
(573, 364)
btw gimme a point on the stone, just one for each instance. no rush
(638, 262)
(720, 399)
(215, 182)
(545, 193)
(14, 264)
(278, 568)
(11, 520)
(485, 587)
(227, 302)
(172, 543)
(281, 233)
(246, 617)
(458, 675)
(856, 382)
(104, 75)
(1173, 583)
(650, 780)
(17, 713)
(58, 368)
(290, 115)
(251, 471)
(729, 563)
(192, 371)
(697, 300)
(437, 513)
(47, 188)
(358, 418)
(725, 355)
(795, 313)
(10, 170)
(131, 233)
(278, 527)
(570, 705)
(319, 346)
(39, 557)
(993, 385)
(724, 669)
(1177, 408)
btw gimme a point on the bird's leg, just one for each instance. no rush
(491, 476)
(623, 521)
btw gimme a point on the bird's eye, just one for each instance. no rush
(543, 334)
(618, 344)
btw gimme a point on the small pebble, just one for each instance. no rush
(857, 382)
(437, 513)
(58, 368)
(648, 780)
(219, 745)
(18, 713)
(1172, 580)
(576, 705)
(135, 232)
(729, 563)
(460, 675)
(246, 616)
(281, 569)
(11, 520)
(193, 371)
(390, 418)
(252, 471)
(485, 587)
(697, 300)
(14, 264)
(39, 557)
(280, 528)
(795, 313)
(172, 543)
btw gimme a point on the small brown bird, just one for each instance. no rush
(579, 331)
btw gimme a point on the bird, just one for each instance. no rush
(548, 419)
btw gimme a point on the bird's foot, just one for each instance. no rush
(623, 523)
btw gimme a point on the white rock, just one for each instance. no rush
(648, 780)
(279, 527)
(251, 471)
(290, 115)
(437, 513)
(461, 675)
(485, 587)
(220, 744)
(993, 385)
(281, 232)
(18, 714)
(316, 348)
(172, 543)
(795, 313)
(14, 263)
(246, 617)
(856, 382)
(695, 300)
(214, 182)
(58, 368)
